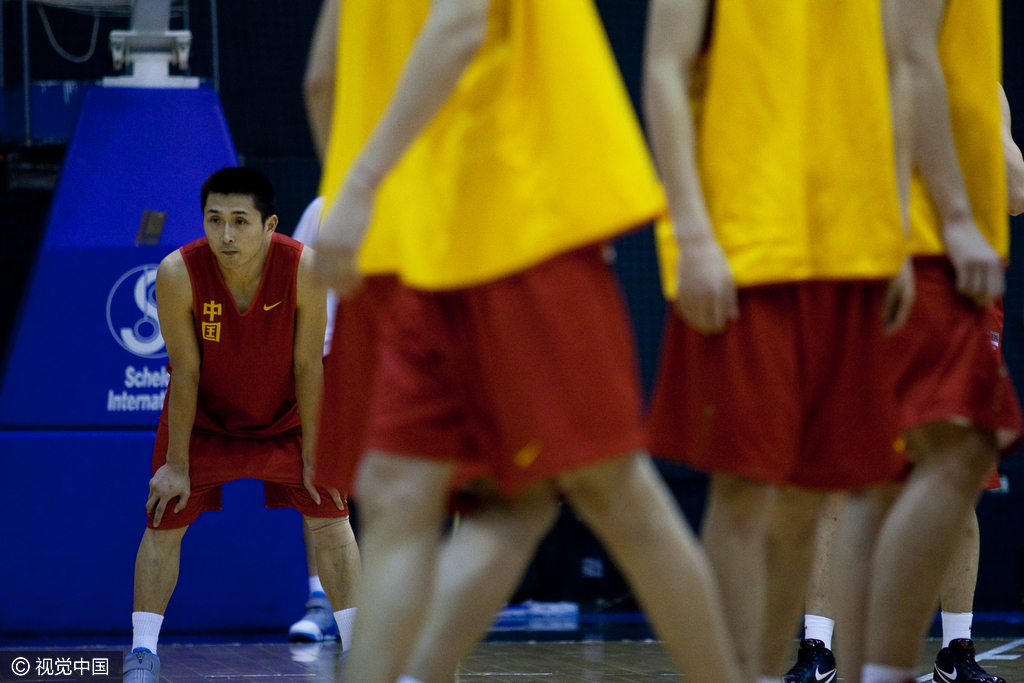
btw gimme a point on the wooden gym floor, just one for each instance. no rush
(492, 662)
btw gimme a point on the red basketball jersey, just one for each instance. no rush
(246, 379)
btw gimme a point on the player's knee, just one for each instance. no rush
(961, 455)
(797, 513)
(534, 513)
(605, 484)
(162, 536)
(161, 542)
(626, 502)
(740, 505)
(409, 489)
(331, 533)
(742, 493)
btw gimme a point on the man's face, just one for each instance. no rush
(234, 229)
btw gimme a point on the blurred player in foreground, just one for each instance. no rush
(474, 162)
(786, 264)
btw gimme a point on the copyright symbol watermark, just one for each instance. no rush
(20, 666)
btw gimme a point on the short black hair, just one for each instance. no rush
(241, 180)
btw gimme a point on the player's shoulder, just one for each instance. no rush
(306, 280)
(289, 257)
(172, 264)
(287, 244)
(305, 266)
(172, 274)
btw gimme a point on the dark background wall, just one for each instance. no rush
(262, 54)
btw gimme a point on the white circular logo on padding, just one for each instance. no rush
(131, 313)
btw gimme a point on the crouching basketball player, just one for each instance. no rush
(243, 320)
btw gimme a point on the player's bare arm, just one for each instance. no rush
(706, 297)
(307, 361)
(901, 102)
(1014, 160)
(899, 294)
(318, 84)
(450, 38)
(174, 299)
(979, 271)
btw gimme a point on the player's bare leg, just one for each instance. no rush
(792, 536)
(307, 542)
(337, 557)
(734, 537)
(815, 662)
(820, 587)
(318, 623)
(919, 537)
(402, 505)
(156, 569)
(862, 517)
(156, 574)
(956, 661)
(480, 565)
(631, 511)
(957, 595)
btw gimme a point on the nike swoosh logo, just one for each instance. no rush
(827, 676)
(946, 676)
(527, 455)
(267, 308)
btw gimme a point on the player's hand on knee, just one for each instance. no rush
(899, 298)
(706, 294)
(307, 481)
(339, 502)
(168, 483)
(978, 267)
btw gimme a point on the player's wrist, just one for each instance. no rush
(693, 230)
(956, 218)
(177, 462)
(697, 245)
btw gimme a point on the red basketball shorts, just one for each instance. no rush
(350, 373)
(215, 459)
(996, 335)
(792, 393)
(517, 380)
(948, 362)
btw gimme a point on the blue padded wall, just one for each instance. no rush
(85, 375)
(87, 325)
(72, 513)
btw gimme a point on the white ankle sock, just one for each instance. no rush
(819, 628)
(146, 630)
(314, 585)
(880, 673)
(408, 679)
(956, 625)
(345, 618)
(768, 679)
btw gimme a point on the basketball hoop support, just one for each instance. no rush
(149, 48)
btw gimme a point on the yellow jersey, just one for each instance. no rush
(537, 151)
(969, 50)
(794, 144)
